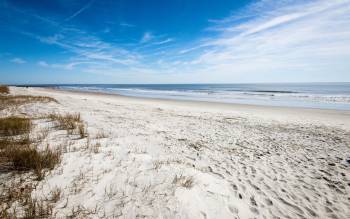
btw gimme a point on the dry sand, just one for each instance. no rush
(185, 159)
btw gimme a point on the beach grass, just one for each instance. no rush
(17, 150)
(9, 141)
(20, 154)
(69, 122)
(184, 181)
(14, 126)
(27, 157)
(7, 101)
(4, 89)
(22, 196)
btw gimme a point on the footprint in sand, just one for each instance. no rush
(233, 209)
(234, 186)
(252, 201)
(268, 201)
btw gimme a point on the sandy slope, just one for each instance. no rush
(244, 161)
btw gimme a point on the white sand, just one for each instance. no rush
(245, 161)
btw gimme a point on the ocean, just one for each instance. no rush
(308, 95)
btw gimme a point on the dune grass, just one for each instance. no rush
(67, 121)
(184, 181)
(37, 209)
(6, 142)
(17, 100)
(70, 122)
(21, 154)
(17, 150)
(7, 101)
(82, 130)
(14, 126)
(27, 157)
(26, 206)
(4, 89)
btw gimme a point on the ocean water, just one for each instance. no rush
(308, 95)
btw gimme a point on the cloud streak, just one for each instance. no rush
(18, 61)
(82, 9)
(303, 38)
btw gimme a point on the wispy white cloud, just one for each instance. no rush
(65, 66)
(82, 9)
(89, 48)
(124, 24)
(18, 60)
(167, 40)
(146, 37)
(297, 37)
(43, 64)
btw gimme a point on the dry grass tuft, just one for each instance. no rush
(17, 202)
(27, 157)
(14, 126)
(18, 153)
(82, 131)
(4, 89)
(37, 209)
(13, 193)
(17, 100)
(9, 141)
(92, 147)
(16, 150)
(82, 212)
(101, 135)
(70, 122)
(31, 209)
(67, 121)
(96, 147)
(184, 181)
(56, 194)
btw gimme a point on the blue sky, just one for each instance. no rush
(160, 41)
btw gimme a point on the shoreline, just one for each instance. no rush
(334, 97)
(333, 117)
(195, 101)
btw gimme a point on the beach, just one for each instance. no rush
(155, 158)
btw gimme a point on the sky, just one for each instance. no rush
(174, 41)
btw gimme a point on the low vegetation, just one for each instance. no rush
(27, 157)
(37, 209)
(14, 126)
(70, 122)
(27, 206)
(56, 194)
(101, 135)
(17, 150)
(4, 89)
(184, 181)
(17, 100)
(6, 142)
(82, 130)
(67, 121)
(20, 154)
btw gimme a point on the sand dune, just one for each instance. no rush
(178, 159)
